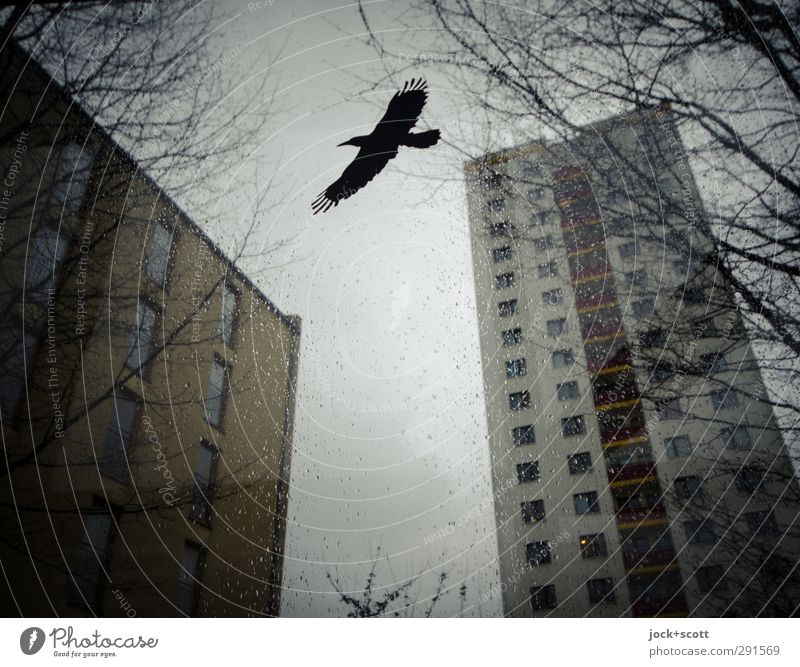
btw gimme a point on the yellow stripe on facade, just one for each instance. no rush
(601, 306)
(626, 441)
(618, 404)
(614, 369)
(591, 279)
(641, 524)
(631, 482)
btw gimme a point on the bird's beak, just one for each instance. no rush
(344, 143)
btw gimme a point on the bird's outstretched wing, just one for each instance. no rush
(404, 108)
(356, 175)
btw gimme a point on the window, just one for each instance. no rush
(544, 243)
(642, 308)
(535, 193)
(507, 308)
(557, 327)
(724, 398)
(217, 385)
(119, 436)
(501, 229)
(188, 579)
(694, 295)
(552, 297)
(204, 478)
(502, 254)
(140, 339)
(737, 437)
(45, 257)
(531, 170)
(601, 590)
(512, 337)
(593, 546)
(579, 463)
(528, 472)
(636, 278)
(524, 435)
(228, 313)
(629, 250)
(700, 531)
(496, 205)
(16, 358)
(572, 426)
(679, 447)
(652, 338)
(532, 511)
(92, 558)
(493, 180)
(158, 259)
(516, 368)
(762, 523)
(563, 358)
(72, 176)
(686, 487)
(519, 400)
(543, 597)
(749, 478)
(661, 372)
(711, 362)
(586, 503)
(670, 408)
(567, 391)
(709, 577)
(504, 280)
(538, 553)
(548, 269)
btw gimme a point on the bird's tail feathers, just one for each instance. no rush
(421, 139)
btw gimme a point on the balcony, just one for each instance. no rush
(639, 514)
(622, 473)
(639, 559)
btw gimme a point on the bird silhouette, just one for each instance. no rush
(381, 145)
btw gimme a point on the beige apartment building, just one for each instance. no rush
(148, 387)
(637, 466)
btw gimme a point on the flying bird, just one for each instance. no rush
(381, 145)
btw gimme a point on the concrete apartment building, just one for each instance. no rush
(637, 466)
(148, 387)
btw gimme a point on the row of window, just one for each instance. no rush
(704, 531)
(577, 463)
(599, 591)
(586, 502)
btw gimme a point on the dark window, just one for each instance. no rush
(700, 531)
(504, 280)
(524, 435)
(642, 308)
(652, 338)
(502, 254)
(528, 472)
(204, 478)
(711, 363)
(694, 295)
(661, 372)
(538, 553)
(228, 314)
(557, 327)
(512, 337)
(749, 478)
(670, 408)
(762, 523)
(516, 368)
(119, 435)
(687, 486)
(519, 400)
(579, 463)
(543, 243)
(601, 590)
(737, 437)
(140, 338)
(724, 398)
(572, 426)
(586, 503)
(501, 229)
(532, 511)
(679, 447)
(217, 390)
(72, 177)
(636, 278)
(628, 250)
(553, 297)
(493, 180)
(535, 193)
(158, 258)
(92, 558)
(567, 390)
(593, 546)
(507, 308)
(563, 358)
(496, 205)
(543, 597)
(548, 269)
(709, 577)
(189, 578)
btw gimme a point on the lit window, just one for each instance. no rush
(504, 280)
(538, 553)
(724, 398)
(228, 313)
(573, 425)
(519, 400)
(543, 597)
(532, 511)
(158, 259)
(512, 337)
(552, 297)
(204, 478)
(524, 435)
(601, 590)
(502, 254)
(586, 503)
(557, 327)
(528, 472)
(567, 390)
(119, 436)
(579, 463)
(593, 546)
(700, 531)
(516, 368)
(217, 386)
(563, 358)
(679, 447)
(188, 579)
(507, 308)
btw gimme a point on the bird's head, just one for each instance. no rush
(355, 141)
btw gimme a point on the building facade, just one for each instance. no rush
(148, 394)
(636, 463)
